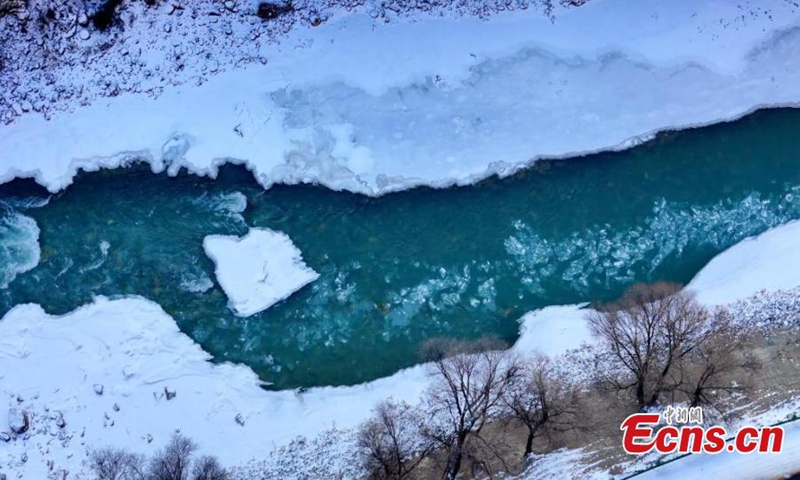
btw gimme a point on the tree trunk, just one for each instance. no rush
(640, 395)
(454, 459)
(529, 444)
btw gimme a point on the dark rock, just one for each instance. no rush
(269, 11)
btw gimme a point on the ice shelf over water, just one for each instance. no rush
(258, 270)
(133, 353)
(369, 106)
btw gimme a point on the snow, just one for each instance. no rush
(133, 353)
(369, 106)
(553, 330)
(737, 466)
(766, 262)
(17, 422)
(257, 270)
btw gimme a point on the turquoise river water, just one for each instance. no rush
(397, 270)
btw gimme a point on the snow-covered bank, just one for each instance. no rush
(737, 466)
(132, 353)
(553, 330)
(257, 270)
(106, 370)
(372, 107)
(770, 261)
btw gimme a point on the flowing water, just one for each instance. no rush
(397, 270)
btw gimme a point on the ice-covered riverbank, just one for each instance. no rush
(106, 368)
(368, 106)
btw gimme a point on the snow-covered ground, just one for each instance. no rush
(258, 270)
(372, 106)
(770, 261)
(133, 353)
(737, 466)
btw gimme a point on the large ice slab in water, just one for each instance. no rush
(257, 270)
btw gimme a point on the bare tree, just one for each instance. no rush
(544, 401)
(391, 444)
(117, 464)
(208, 468)
(649, 332)
(172, 463)
(709, 371)
(469, 380)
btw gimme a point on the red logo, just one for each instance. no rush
(641, 434)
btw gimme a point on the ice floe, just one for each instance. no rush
(257, 270)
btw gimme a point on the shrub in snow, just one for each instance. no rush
(208, 468)
(117, 464)
(172, 463)
(169, 394)
(391, 444)
(468, 383)
(543, 401)
(661, 343)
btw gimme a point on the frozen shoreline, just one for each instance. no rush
(50, 367)
(461, 98)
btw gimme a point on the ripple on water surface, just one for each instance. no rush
(19, 244)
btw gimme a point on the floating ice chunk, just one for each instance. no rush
(199, 284)
(257, 270)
